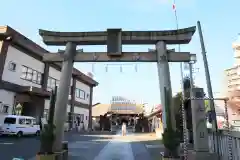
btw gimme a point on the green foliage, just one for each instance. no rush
(177, 102)
(207, 106)
(171, 138)
(171, 141)
(47, 138)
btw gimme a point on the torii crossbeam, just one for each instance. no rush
(114, 39)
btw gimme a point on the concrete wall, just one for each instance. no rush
(20, 58)
(56, 74)
(47, 104)
(6, 98)
(84, 89)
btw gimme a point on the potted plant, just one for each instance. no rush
(171, 141)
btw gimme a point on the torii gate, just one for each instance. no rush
(113, 38)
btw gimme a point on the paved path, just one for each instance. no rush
(116, 150)
(89, 147)
(130, 147)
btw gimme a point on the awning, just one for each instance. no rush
(24, 89)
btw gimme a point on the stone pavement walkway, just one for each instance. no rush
(116, 150)
(130, 147)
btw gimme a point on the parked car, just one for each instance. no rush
(19, 126)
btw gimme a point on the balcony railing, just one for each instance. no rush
(228, 144)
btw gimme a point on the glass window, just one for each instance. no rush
(21, 121)
(5, 109)
(49, 83)
(86, 117)
(82, 94)
(12, 66)
(28, 121)
(45, 114)
(9, 120)
(77, 93)
(24, 72)
(35, 75)
(57, 83)
(53, 83)
(39, 78)
(29, 74)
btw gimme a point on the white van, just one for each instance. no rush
(19, 126)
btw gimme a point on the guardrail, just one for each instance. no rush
(228, 147)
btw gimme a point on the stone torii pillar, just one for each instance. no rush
(164, 81)
(62, 94)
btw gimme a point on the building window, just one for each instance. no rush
(45, 114)
(52, 82)
(86, 117)
(12, 66)
(35, 76)
(5, 109)
(31, 75)
(77, 93)
(80, 93)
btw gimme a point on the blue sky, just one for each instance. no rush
(219, 21)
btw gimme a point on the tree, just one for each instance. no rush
(177, 101)
(207, 106)
(171, 139)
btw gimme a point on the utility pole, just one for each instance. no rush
(191, 74)
(207, 75)
(193, 61)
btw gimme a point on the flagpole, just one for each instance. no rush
(185, 131)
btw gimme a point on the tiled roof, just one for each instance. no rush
(101, 109)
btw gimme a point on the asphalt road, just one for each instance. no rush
(88, 147)
(27, 147)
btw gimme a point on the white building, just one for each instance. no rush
(26, 80)
(232, 84)
(232, 75)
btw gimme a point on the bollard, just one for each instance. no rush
(65, 150)
(65, 145)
